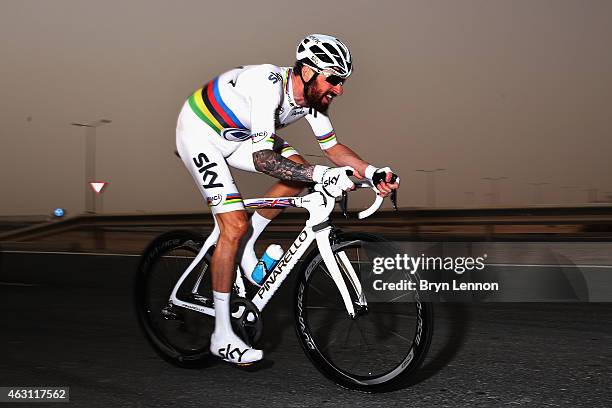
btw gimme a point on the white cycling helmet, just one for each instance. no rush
(324, 52)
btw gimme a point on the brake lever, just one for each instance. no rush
(344, 201)
(394, 192)
(344, 204)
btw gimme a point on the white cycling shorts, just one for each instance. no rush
(207, 155)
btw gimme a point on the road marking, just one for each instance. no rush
(138, 255)
(18, 284)
(67, 253)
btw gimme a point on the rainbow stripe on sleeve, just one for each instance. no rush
(232, 198)
(208, 105)
(328, 137)
(286, 148)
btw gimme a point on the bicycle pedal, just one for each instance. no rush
(254, 366)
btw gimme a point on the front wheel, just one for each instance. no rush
(378, 348)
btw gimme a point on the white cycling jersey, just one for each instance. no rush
(251, 102)
(233, 116)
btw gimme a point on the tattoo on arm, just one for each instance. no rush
(275, 165)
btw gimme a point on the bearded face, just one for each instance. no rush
(319, 94)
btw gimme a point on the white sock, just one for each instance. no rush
(223, 326)
(249, 258)
(224, 342)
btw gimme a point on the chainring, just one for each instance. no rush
(246, 320)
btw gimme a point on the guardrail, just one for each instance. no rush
(588, 219)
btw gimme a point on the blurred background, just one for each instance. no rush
(473, 103)
(496, 114)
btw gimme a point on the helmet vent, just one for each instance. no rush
(321, 54)
(332, 50)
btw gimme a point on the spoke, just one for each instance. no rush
(331, 342)
(328, 297)
(322, 266)
(348, 332)
(405, 316)
(362, 345)
(398, 297)
(345, 345)
(325, 325)
(317, 289)
(361, 332)
(400, 336)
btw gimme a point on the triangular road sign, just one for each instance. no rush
(97, 186)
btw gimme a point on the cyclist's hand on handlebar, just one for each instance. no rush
(385, 180)
(358, 175)
(335, 180)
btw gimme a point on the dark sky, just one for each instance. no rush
(521, 89)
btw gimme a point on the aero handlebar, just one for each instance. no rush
(375, 204)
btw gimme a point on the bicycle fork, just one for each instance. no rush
(338, 266)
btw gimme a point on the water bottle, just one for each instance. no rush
(268, 261)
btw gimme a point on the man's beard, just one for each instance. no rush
(314, 99)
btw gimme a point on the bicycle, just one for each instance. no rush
(362, 344)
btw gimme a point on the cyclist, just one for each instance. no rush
(232, 121)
